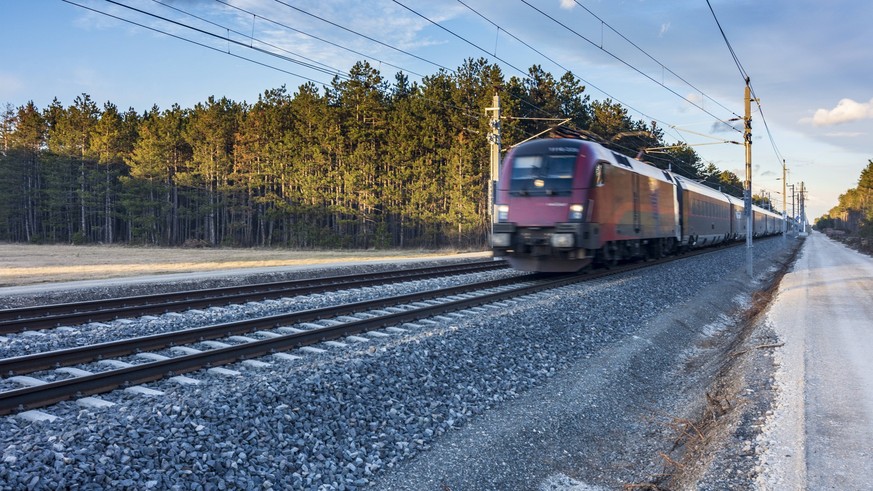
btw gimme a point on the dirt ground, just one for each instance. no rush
(24, 264)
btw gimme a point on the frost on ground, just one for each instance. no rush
(800, 385)
(819, 433)
(27, 264)
(560, 482)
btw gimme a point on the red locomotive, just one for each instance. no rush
(563, 204)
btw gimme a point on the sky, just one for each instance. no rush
(809, 63)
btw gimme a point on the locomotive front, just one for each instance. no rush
(542, 207)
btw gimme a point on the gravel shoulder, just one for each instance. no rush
(675, 404)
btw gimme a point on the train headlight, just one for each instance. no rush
(501, 240)
(576, 212)
(502, 213)
(562, 240)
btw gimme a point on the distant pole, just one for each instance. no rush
(803, 206)
(747, 191)
(784, 202)
(494, 141)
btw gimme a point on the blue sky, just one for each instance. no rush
(810, 62)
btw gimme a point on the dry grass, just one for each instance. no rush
(22, 264)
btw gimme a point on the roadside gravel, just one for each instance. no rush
(582, 386)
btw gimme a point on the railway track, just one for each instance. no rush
(415, 306)
(47, 316)
(377, 314)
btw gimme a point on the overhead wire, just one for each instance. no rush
(226, 39)
(747, 80)
(362, 35)
(588, 83)
(471, 43)
(559, 65)
(704, 94)
(203, 45)
(524, 74)
(437, 24)
(667, 125)
(619, 59)
(333, 70)
(352, 31)
(728, 43)
(317, 38)
(339, 26)
(223, 38)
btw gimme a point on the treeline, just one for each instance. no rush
(363, 163)
(854, 212)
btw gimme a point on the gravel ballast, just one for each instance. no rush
(577, 386)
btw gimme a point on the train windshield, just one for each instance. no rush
(542, 175)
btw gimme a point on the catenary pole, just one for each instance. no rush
(747, 192)
(784, 201)
(803, 207)
(494, 143)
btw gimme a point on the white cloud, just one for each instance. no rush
(847, 110)
(664, 28)
(567, 4)
(694, 97)
(722, 127)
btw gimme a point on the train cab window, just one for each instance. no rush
(526, 166)
(599, 174)
(561, 166)
(536, 166)
(542, 174)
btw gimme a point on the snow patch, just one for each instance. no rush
(561, 482)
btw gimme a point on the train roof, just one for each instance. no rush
(738, 202)
(602, 153)
(700, 188)
(765, 211)
(597, 151)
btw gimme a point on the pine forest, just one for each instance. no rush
(362, 163)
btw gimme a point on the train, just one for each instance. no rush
(564, 204)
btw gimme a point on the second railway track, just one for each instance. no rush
(47, 316)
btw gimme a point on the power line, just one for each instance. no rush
(332, 69)
(526, 75)
(333, 72)
(181, 38)
(653, 58)
(337, 45)
(534, 106)
(363, 35)
(523, 73)
(728, 43)
(486, 19)
(617, 58)
(227, 52)
(747, 80)
(224, 38)
(586, 82)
